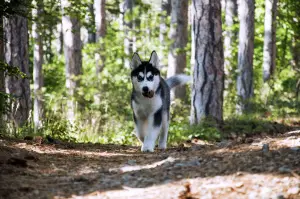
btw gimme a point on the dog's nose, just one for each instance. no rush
(145, 89)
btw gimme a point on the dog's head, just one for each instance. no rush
(145, 75)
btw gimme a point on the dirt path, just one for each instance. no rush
(29, 169)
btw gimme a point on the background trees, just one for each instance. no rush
(245, 55)
(16, 54)
(93, 75)
(178, 36)
(208, 74)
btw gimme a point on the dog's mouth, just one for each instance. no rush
(148, 94)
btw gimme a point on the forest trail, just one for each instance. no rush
(260, 167)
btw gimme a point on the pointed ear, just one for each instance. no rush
(154, 60)
(136, 61)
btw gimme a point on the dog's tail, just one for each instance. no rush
(177, 80)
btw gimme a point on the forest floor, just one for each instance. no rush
(260, 166)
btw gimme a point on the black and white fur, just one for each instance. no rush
(150, 101)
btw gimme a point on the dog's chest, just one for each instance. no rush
(144, 107)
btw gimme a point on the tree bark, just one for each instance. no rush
(245, 55)
(91, 20)
(229, 37)
(16, 54)
(208, 72)
(100, 19)
(38, 79)
(127, 25)
(269, 39)
(2, 78)
(178, 36)
(73, 59)
(166, 11)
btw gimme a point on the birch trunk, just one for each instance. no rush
(208, 73)
(37, 65)
(72, 51)
(178, 37)
(269, 39)
(16, 54)
(245, 55)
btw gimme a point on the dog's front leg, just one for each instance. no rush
(153, 130)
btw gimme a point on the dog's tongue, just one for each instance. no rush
(149, 94)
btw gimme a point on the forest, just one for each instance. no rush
(65, 89)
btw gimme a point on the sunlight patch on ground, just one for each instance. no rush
(53, 150)
(239, 185)
(128, 168)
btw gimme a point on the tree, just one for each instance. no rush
(100, 20)
(166, 11)
(178, 35)
(2, 78)
(91, 19)
(72, 51)
(229, 37)
(37, 64)
(245, 55)
(208, 72)
(269, 39)
(126, 8)
(16, 54)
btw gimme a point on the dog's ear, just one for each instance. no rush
(154, 60)
(136, 61)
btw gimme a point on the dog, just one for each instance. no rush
(150, 101)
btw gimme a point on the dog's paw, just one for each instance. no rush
(146, 148)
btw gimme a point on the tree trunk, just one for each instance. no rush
(178, 36)
(208, 73)
(38, 79)
(91, 20)
(127, 10)
(100, 19)
(72, 51)
(59, 41)
(166, 11)
(245, 55)
(270, 39)
(229, 38)
(16, 54)
(2, 78)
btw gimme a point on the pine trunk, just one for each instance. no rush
(72, 51)
(91, 20)
(208, 73)
(178, 37)
(38, 80)
(269, 39)
(166, 11)
(127, 10)
(245, 55)
(16, 54)
(229, 38)
(2, 78)
(100, 19)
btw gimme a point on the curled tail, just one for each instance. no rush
(178, 80)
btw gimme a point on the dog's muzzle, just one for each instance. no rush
(148, 94)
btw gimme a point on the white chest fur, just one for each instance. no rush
(143, 107)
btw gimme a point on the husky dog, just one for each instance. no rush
(150, 101)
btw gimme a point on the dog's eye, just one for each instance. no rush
(150, 78)
(140, 78)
